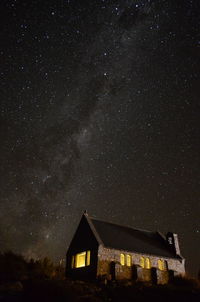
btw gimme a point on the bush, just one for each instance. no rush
(186, 282)
(41, 269)
(13, 267)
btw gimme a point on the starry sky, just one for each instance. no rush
(99, 111)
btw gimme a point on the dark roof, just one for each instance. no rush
(129, 239)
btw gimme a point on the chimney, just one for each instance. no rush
(172, 240)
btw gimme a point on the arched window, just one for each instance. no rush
(128, 260)
(147, 263)
(161, 265)
(122, 259)
(142, 262)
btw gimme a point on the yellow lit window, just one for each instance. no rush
(147, 263)
(72, 263)
(122, 259)
(80, 259)
(161, 265)
(88, 258)
(142, 262)
(128, 260)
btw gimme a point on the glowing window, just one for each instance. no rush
(128, 260)
(147, 263)
(88, 258)
(72, 263)
(80, 259)
(161, 265)
(122, 259)
(142, 262)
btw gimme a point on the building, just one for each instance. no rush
(104, 250)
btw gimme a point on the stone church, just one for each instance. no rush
(104, 250)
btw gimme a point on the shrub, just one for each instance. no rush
(186, 282)
(13, 267)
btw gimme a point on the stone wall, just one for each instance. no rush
(104, 268)
(123, 272)
(143, 274)
(110, 267)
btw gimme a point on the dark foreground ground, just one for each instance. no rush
(67, 290)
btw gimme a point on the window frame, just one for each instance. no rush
(162, 265)
(142, 262)
(122, 259)
(75, 259)
(128, 260)
(147, 263)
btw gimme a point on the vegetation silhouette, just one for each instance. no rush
(42, 280)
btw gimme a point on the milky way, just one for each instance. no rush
(99, 111)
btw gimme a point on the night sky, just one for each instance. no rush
(99, 111)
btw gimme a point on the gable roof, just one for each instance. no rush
(129, 239)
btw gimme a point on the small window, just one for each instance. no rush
(88, 258)
(80, 259)
(142, 262)
(147, 263)
(72, 263)
(128, 260)
(170, 240)
(161, 265)
(122, 259)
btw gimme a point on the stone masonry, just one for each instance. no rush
(109, 264)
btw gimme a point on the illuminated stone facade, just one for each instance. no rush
(99, 251)
(109, 267)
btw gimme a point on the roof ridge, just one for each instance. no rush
(96, 234)
(153, 242)
(124, 226)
